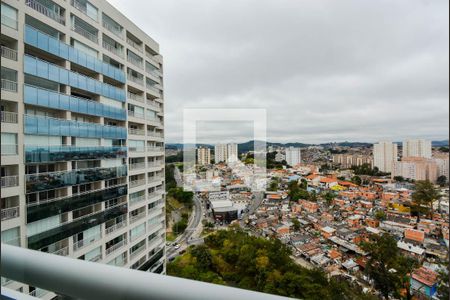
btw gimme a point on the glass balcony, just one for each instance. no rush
(135, 97)
(135, 183)
(10, 213)
(136, 78)
(116, 226)
(47, 8)
(9, 85)
(115, 247)
(9, 22)
(41, 210)
(9, 181)
(58, 127)
(134, 59)
(151, 262)
(9, 117)
(66, 230)
(41, 154)
(136, 131)
(54, 46)
(43, 69)
(47, 98)
(134, 44)
(113, 49)
(54, 180)
(86, 241)
(9, 53)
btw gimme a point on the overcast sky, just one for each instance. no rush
(325, 70)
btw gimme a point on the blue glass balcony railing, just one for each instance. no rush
(42, 154)
(46, 98)
(52, 45)
(48, 181)
(43, 69)
(58, 127)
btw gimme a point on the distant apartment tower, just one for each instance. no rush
(346, 161)
(293, 156)
(416, 168)
(384, 156)
(442, 161)
(203, 156)
(82, 121)
(417, 148)
(226, 152)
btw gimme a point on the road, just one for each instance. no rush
(192, 232)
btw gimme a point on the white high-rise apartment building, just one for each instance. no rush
(417, 148)
(82, 122)
(384, 156)
(203, 156)
(225, 152)
(220, 153)
(293, 156)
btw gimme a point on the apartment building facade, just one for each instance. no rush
(82, 122)
(293, 156)
(203, 156)
(416, 148)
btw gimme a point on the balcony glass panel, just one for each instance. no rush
(48, 8)
(41, 154)
(48, 126)
(60, 49)
(40, 68)
(54, 180)
(9, 16)
(47, 209)
(84, 29)
(112, 26)
(46, 98)
(155, 258)
(67, 230)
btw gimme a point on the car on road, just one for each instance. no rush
(176, 246)
(182, 251)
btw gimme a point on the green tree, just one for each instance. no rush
(399, 178)
(329, 197)
(296, 224)
(424, 195)
(387, 266)
(380, 215)
(442, 180)
(356, 180)
(273, 185)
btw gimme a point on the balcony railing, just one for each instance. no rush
(86, 241)
(137, 166)
(137, 217)
(134, 61)
(135, 79)
(83, 9)
(38, 293)
(9, 181)
(154, 179)
(134, 44)
(96, 258)
(113, 29)
(154, 105)
(153, 164)
(136, 253)
(63, 251)
(115, 227)
(136, 200)
(10, 213)
(89, 35)
(9, 150)
(135, 97)
(8, 117)
(9, 85)
(10, 22)
(155, 149)
(116, 247)
(37, 6)
(154, 134)
(44, 270)
(136, 183)
(112, 49)
(9, 53)
(136, 131)
(136, 115)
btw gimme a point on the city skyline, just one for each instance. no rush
(377, 72)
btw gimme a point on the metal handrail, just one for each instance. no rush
(111, 48)
(8, 117)
(9, 85)
(9, 53)
(116, 226)
(9, 181)
(85, 33)
(9, 149)
(10, 213)
(115, 247)
(45, 11)
(88, 280)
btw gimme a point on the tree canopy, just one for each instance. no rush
(236, 259)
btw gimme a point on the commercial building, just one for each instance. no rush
(416, 168)
(293, 156)
(417, 148)
(384, 156)
(82, 160)
(203, 156)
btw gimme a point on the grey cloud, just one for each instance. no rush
(324, 70)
